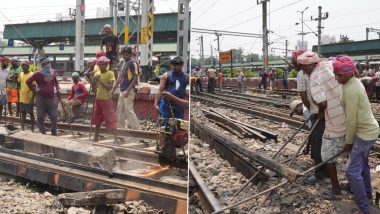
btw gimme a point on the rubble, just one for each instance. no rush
(223, 180)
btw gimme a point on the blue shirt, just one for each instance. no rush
(130, 67)
(176, 85)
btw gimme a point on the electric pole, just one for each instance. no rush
(202, 53)
(79, 35)
(212, 56)
(217, 39)
(286, 49)
(126, 28)
(319, 19)
(114, 7)
(265, 33)
(367, 30)
(183, 31)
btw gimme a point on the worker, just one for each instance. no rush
(240, 81)
(104, 109)
(174, 82)
(211, 73)
(220, 81)
(46, 80)
(198, 74)
(26, 95)
(112, 47)
(76, 98)
(263, 79)
(362, 130)
(272, 79)
(128, 79)
(13, 87)
(297, 107)
(3, 83)
(369, 83)
(326, 92)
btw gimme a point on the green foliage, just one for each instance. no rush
(280, 72)
(247, 72)
(292, 74)
(34, 68)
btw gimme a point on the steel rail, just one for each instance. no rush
(209, 202)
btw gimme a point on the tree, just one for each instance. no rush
(252, 57)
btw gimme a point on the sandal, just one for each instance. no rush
(327, 195)
(312, 180)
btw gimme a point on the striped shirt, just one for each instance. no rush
(301, 81)
(324, 87)
(303, 85)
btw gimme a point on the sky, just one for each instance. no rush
(22, 11)
(346, 17)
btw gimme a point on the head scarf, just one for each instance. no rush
(102, 60)
(308, 58)
(100, 53)
(344, 65)
(25, 62)
(295, 54)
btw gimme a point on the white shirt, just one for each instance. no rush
(3, 80)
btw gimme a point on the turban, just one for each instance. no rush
(295, 54)
(308, 58)
(102, 60)
(25, 62)
(99, 53)
(344, 65)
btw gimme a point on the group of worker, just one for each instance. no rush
(209, 77)
(335, 100)
(105, 74)
(273, 78)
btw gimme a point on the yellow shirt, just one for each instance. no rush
(25, 93)
(101, 92)
(359, 118)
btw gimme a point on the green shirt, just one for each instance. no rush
(13, 71)
(359, 118)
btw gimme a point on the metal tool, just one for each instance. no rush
(65, 112)
(275, 155)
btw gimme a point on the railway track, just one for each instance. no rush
(227, 148)
(136, 167)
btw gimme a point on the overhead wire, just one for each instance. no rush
(256, 17)
(199, 16)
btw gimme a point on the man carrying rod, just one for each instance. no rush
(46, 80)
(104, 109)
(362, 132)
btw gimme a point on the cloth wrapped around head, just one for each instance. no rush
(295, 54)
(24, 62)
(344, 65)
(102, 60)
(308, 58)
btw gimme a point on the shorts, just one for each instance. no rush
(26, 107)
(104, 111)
(12, 94)
(3, 99)
(331, 147)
